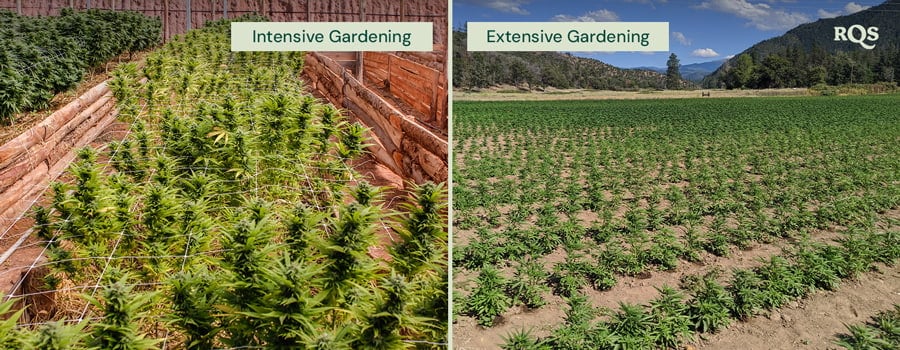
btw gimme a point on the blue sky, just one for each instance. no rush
(700, 30)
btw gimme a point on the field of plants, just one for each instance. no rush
(230, 217)
(42, 56)
(653, 223)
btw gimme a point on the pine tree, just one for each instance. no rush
(673, 75)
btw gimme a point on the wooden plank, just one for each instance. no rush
(75, 127)
(38, 133)
(11, 150)
(12, 199)
(416, 68)
(417, 99)
(424, 137)
(389, 135)
(383, 156)
(70, 140)
(340, 55)
(435, 167)
(379, 58)
(376, 133)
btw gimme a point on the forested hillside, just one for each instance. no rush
(542, 69)
(808, 54)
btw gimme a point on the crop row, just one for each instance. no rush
(568, 195)
(674, 317)
(42, 56)
(229, 217)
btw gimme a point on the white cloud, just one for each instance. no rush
(825, 14)
(679, 36)
(760, 15)
(510, 6)
(853, 7)
(707, 52)
(849, 9)
(601, 15)
(729, 57)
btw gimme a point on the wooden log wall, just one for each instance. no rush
(415, 84)
(29, 162)
(400, 142)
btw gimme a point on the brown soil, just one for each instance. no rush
(629, 289)
(813, 323)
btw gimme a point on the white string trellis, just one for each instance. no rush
(302, 172)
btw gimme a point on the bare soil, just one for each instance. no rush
(467, 334)
(629, 289)
(814, 322)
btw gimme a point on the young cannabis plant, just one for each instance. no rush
(710, 309)
(669, 313)
(488, 300)
(576, 332)
(745, 292)
(528, 284)
(862, 337)
(523, 340)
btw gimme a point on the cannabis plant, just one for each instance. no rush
(523, 340)
(122, 311)
(488, 300)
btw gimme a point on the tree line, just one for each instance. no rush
(544, 69)
(795, 67)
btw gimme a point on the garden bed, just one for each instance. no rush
(235, 195)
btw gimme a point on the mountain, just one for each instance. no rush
(809, 54)
(542, 69)
(694, 72)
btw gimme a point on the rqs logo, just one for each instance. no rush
(857, 34)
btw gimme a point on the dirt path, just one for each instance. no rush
(811, 323)
(814, 322)
(633, 290)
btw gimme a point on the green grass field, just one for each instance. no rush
(567, 198)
